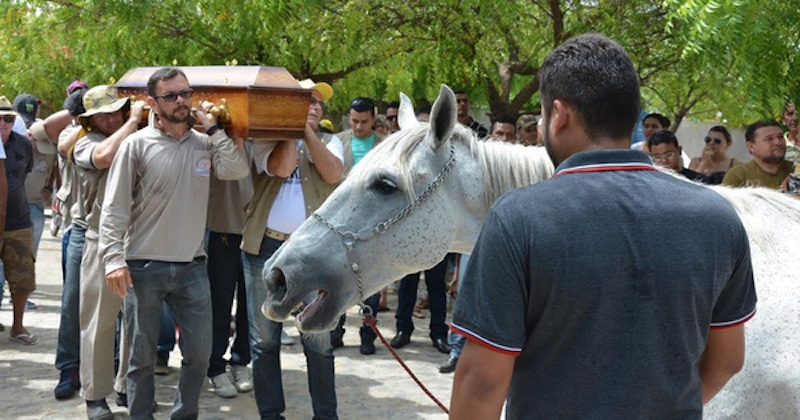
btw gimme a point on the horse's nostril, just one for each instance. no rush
(276, 284)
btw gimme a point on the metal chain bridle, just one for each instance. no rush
(350, 238)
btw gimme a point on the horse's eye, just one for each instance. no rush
(384, 185)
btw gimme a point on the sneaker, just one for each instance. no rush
(68, 384)
(98, 410)
(223, 386)
(286, 340)
(162, 363)
(242, 379)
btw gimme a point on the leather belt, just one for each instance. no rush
(278, 236)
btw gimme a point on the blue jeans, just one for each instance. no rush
(166, 330)
(68, 348)
(37, 217)
(437, 300)
(184, 287)
(457, 340)
(225, 275)
(265, 348)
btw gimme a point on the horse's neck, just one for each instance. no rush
(506, 167)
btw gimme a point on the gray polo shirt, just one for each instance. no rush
(157, 193)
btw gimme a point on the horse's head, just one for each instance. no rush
(399, 211)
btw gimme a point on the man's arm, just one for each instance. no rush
(722, 358)
(66, 141)
(105, 151)
(56, 123)
(328, 165)
(283, 159)
(114, 218)
(481, 383)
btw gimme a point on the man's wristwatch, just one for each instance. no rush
(213, 129)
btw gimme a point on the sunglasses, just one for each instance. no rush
(9, 118)
(391, 117)
(186, 94)
(313, 101)
(710, 139)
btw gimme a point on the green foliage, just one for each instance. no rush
(694, 57)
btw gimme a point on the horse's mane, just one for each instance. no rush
(504, 166)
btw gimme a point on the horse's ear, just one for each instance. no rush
(405, 114)
(443, 116)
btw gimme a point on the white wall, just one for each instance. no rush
(690, 135)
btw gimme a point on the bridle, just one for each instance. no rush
(350, 238)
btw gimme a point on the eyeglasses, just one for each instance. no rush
(186, 94)
(663, 156)
(9, 118)
(714, 139)
(391, 117)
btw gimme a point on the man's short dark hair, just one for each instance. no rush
(750, 134)
(422, 109)
(460, 92)
(164, 73)
(594, 75)
(394, 104)
(663, 137)
(362, 105)
(504, 119)
(664, 121)
(722, 130)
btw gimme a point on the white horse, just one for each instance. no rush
(425, 191)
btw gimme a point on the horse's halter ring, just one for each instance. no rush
(350, 238)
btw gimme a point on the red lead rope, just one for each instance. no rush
(370, 320)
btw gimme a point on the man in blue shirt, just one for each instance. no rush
(573, 304)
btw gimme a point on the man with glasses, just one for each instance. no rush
(391, 116)
(108, 120)
(291, 181)
(152, 226)
(356, 142)
(666, 153)
(16, 228)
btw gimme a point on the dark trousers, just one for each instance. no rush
(226, 275)
(437, 300)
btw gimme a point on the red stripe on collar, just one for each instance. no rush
(605, 167)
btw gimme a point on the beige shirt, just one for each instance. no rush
(157, 195)
(92, 180)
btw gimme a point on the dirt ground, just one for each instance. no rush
(373, 386)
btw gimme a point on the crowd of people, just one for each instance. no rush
(167, 225)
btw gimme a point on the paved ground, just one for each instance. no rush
(367, 386)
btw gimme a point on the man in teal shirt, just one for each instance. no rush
(357, 141)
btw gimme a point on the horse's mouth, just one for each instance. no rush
(319, 314)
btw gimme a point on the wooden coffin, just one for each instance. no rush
(264, 103)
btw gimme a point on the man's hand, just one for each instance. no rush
(119, 281)
(137, 110)
(202, 114)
